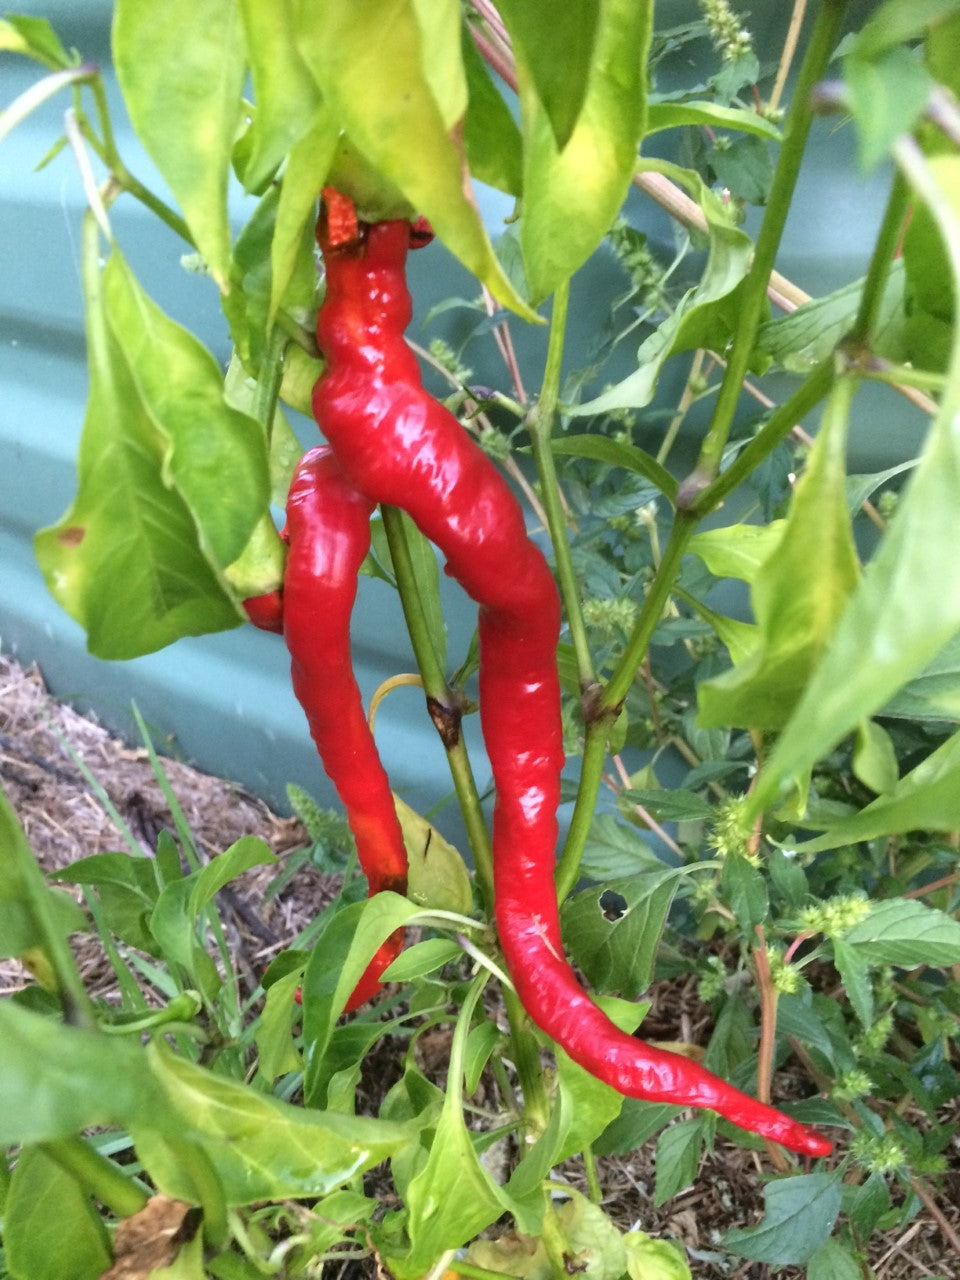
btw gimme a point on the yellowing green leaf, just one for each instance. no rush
(398, 128)
(438, 878)
(181, 66)
(798, 592)
(572, 193)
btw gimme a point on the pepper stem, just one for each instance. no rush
(98, 1175)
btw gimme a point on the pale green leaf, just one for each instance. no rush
(706, 316)
(895, 21)
(886, 95)
(34, 37)
(874, 760)
(737, 550)
(653, 1259)
(437, 876)
(171, 482)
(571, 195)
(286, 94)
(617, 453)
(799, 341)
(935, 693)
(399, 129)
(798, 592)
(70, 1243)
(673, 115)
(181, 66)
(440, 32)
(261, 1149)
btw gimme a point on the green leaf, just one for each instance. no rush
(438, 877)
(935, 693)
(179, 907)
(674, 804)
(927, 798)
(798, 593)
(886, 95)
(490, 134)
(614, 850)
(854, 972)
(87, 1079)
(674, 115)
(706, 316)
(584, 1107)
(930, 308)
(618, 454)
(34, 37)
(905, 932)
(172, 482)
(35, 919)
(745, 891)
(614, 929)
(340, 955)
(261, 1149)
(440, 32)
(70, 1243)
(586, 1235)
(285, 92)
(181, 67)
(678, 1156)
(277, 1053)
(399, 128)
(423, 958)
(874, 760)
(306, 169)
(127, 888)
(554, 48)
(859, 488)
(898, 20)
(833, 1262)
(635, 1125)
(650, 1259)
(572, 194)
(737, 550)
(798, 1218)
(800, 341)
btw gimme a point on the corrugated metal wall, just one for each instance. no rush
(224, 701)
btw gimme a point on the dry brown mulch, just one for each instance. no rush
(64, 821)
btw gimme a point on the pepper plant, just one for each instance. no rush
(796, 768)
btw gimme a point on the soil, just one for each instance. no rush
(72, 784)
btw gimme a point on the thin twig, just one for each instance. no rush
(789, 49)
(643, 812)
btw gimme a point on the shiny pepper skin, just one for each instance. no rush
(397, 445)
(328, 532)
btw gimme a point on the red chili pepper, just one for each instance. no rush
(399, 446)
(328, 531)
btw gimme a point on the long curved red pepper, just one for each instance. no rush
(328, 531)
(397, 445)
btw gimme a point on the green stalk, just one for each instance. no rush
(591, 771)
(540, 426)
(871, 299)
(823, 41)
(438, 694)
(98, 1175)
(780, 423)
(623, 677)
(525, 1052)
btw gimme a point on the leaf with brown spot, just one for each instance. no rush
(152, 1238)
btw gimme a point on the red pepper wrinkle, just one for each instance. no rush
(399, 446)
(328, 528)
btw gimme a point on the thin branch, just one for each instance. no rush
(789, 49)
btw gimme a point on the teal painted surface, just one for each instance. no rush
(224, 701)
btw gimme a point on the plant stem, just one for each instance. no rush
(789, 49)
(525, 1052)
(871, 299)
(778, 425)
(590, 1172)
(540, 425)
(619, 683)
(768, 1029)
(439, 696)
(591, 772)
(823, 40)
(107, 150)
(98, 1175)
